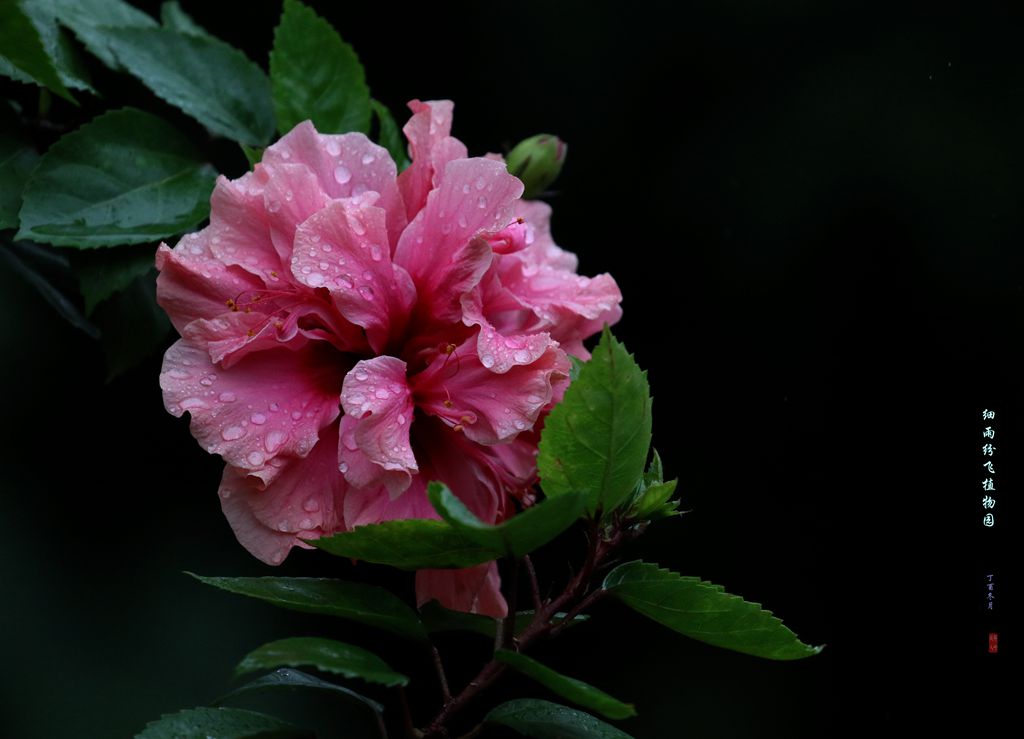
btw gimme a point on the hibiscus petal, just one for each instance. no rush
(489, 407)
(373, 504)
(438, 249)
(239, 228)
(303, 502)
(193, 283)
(271, 403)
(470, 470)
(473, 590)
(431, 148)
(345, 165)
(344, 249)
(292, 195)
(379, 410)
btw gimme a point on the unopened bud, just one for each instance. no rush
(537, 162)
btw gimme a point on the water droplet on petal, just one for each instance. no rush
(341, 174)
(521, 356)
(273, 206)
(368, 158)
(520, 424)
(333, 148)
(258, 418)
(361, 375)
(226, 397)
(375, 253)
(306, 523)
(311, 506)
(179, 374)
(255, 458)
(487, 360)
(289, 195)
(480, 183)
(481, 202)
(343, 467)
(366, 291)
(189, 404)
(382, 394)
(316, 279)
(231, 433)
(274, 441)
(296, 415)
(400, 419)
(465, 189)
(462, 221)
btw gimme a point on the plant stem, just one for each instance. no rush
(575, 596)
(446, 694)
(534, 585)
(509, 626)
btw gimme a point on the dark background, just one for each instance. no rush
(814, 214)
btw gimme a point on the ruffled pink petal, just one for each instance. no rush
(193, 283)
(373, 505)
(472, 590)
(430, 149)
(439, 248)
(470, 470)
(344, 250)
(488, 407)
(239, 228)
(271, 404)
(379, 411)
(536, 214)
(345, 165)
(303, 502)
(292, 194)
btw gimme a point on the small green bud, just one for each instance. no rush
(537, 162)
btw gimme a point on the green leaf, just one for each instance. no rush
(58, 45)
(253, 154)
(176, 19)
(17, 158)
(436, 618)
(596, 440)
(366, 604)
(102, 273)
(315, 75)
(134, 327)
(577, 691)
(389, 136)
(326, 655)
(24, 51)
(127, 177)
(89, 20)
(546, 720)
(651, 500)
(408, 544)
(519, 535)
(211, 81)
(40, 267)
(287, 679)
(653, 503)
(704, 611)
(220, 723)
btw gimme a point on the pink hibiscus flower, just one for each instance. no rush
(349, 334)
